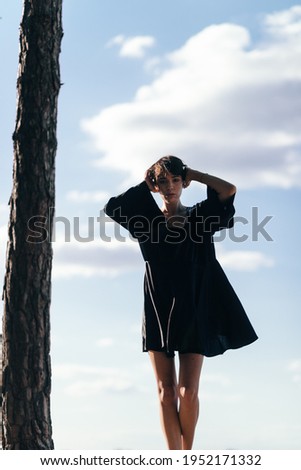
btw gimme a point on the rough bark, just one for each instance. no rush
(27, 286)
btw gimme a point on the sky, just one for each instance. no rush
(217, 84)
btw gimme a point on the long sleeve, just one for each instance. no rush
(215, 214)
(134, 209)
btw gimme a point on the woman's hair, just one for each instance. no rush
(168, 164)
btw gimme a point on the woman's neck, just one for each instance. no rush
(173, 208)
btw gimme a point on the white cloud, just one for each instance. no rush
(84, 388)
(295, 369)
(4, 210)
(87, 196)
(72, 259)
(116, 40)
(3, 237)
(215, 397)
(286, 22)
(89, 380)
(219, 380)
(105, 342)
(244, 260)
(133, 47)
(222, 103)
(218, 388)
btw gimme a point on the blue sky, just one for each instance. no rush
(217, 84)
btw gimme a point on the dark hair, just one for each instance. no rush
(168, 164)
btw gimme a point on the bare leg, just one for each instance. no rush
(189, 376)
(165, 372)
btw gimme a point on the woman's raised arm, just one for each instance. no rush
(223, 188)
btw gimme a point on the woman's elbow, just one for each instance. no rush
(232, 189)
(228, 192)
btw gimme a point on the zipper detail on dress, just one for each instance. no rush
(168, 324)
(148, 272)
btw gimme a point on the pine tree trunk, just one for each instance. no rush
(27, 287)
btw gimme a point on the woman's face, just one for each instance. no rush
(170, 187)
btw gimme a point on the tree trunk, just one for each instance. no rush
(27, 286)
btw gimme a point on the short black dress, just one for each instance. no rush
(189, 304)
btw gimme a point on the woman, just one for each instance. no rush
(189, 304)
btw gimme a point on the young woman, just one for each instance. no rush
(189, 305)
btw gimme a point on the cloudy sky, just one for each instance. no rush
(217, 84)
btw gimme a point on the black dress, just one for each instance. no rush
(189, 304)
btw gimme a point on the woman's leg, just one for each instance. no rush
(189, 376)
(165, 372)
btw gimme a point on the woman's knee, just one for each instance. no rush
(188, 395)
(167, 394)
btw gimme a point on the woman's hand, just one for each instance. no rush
(149, 181)
(189, 177)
